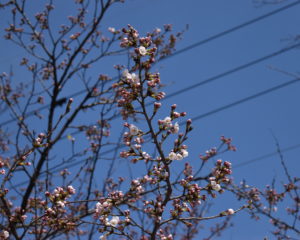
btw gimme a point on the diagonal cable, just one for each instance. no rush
(194, 45)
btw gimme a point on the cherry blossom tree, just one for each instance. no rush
(166, 198)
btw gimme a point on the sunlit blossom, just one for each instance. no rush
(142, 50)
(134, 130)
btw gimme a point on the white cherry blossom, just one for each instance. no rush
(134, 130)
(172, 156)
(142, 50)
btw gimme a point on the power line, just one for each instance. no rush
(215, 77)
(225, 107)
(233, 70)
(238, 27)
(206, 81)
(197, 44)
(234, 167)
(246, 99)
(266, 156)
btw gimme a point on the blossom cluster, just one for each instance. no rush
(104, 209)
(162, 202)
(131, 83)
(166, 124)
(59, 198)
(4, 234)
(183, 153)
(2, 165)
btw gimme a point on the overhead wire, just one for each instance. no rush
(197, 44)
(246, 99)
(193, 86)
(217, 76)
(201, 116)
(242, 164)
(235, 28)
(253, 160)
(233, 70)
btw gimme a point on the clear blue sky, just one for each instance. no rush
(249, 124)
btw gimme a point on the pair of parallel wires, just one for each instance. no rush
(214, 78)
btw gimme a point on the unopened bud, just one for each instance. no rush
(68, 108)
(157, 105)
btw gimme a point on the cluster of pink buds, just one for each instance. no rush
(47, 72)
(12, 28)
(126, 97)
(153, 80)
(166, 124)
(228, 142)
(291, 186)
(253, 194)
(160, 172)
(159, 96)
(141, 45)
(4, 234)
(136, 185)
(193, 195)
(36, 203)
(208, 154)
(193, 191)
(55, 215)
(272, 196)
(116, 196)
(219, 175)
(131, 37)
(2, 165)
(22, 159)
(42, 19)
(188, 170)
(149, 179)
(179, 208)
(213, 151)
(60, 195)
(103, 207)
(38, 142)
(94, 133)
(163, 236)
(128, 89)
(133, 139)
(154, 208)
(18, 215)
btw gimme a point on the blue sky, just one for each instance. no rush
(250, 124)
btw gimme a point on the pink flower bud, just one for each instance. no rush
(157, 105)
